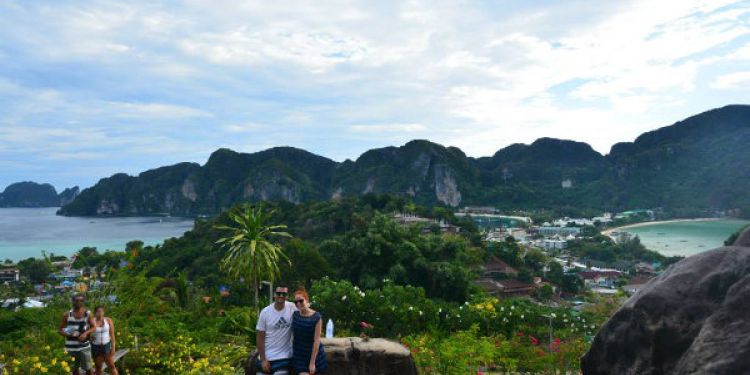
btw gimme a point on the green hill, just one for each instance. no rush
(696, 164)
(32, 194)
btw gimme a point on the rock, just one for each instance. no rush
(356, 356)
(692, 319)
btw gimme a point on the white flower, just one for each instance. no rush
(521, 316)
(553, 315)
(343, 298)
(512, 307)
(502, 308)
(420, 312)
(411, 308)
(566, 320)
(466, 303)
(440, 310)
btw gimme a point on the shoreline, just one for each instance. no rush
(609, 231)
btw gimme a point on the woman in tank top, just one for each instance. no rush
(103, 342)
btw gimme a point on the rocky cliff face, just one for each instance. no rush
(693, 319)
(68, 195)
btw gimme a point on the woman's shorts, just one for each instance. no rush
(99, 350)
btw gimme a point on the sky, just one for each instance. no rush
(89, 89)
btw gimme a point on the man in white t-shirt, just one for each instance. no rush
(274, 335)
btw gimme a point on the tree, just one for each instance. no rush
(251, 254)
(37, 270)
(571, 283)
(555, 273)
(535, 259)
(544, 293)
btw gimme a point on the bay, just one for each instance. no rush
(25, 232)
(685, 238)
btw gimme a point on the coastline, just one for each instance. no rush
(609, 231)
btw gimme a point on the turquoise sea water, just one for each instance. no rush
(25, 232)
(687, 237)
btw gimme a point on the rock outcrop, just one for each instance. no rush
(356, 356)
(693, 319)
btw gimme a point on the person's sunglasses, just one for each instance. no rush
(281, 294)
(299, 301)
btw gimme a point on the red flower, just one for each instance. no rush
(519, 334)
(534, 340)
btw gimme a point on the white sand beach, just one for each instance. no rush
(609, 231)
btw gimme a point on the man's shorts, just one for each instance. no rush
(278, 367)
(81, 359)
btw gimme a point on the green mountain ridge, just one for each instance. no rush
(31, 194)
(698, 163)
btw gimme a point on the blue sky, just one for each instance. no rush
(88, 89)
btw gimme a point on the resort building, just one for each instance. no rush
(550, 231)
(505, 288)
(599, 279)
(10, 275)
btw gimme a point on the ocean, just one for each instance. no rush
(686, 237)
(25, 232)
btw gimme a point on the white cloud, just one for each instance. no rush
(381, 128)
(155, 111)
(732, 81)
(243, 128)
(342, 77)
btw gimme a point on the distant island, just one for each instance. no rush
(32, 194)
(696, 166)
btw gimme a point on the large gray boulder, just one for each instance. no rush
(357, 356)
(692, 319)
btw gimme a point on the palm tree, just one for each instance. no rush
(251, 254)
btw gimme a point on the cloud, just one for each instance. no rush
(163, 82)
(732, 81)
(155, 111)
(243, 128)
(379, 128)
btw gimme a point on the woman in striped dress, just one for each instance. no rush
(309, 356)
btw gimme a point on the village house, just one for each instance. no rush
(10, 275)
(644, 268)
(496, 268)
(428, 224)
(635, 284)
(599, 279)
(505, 288)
